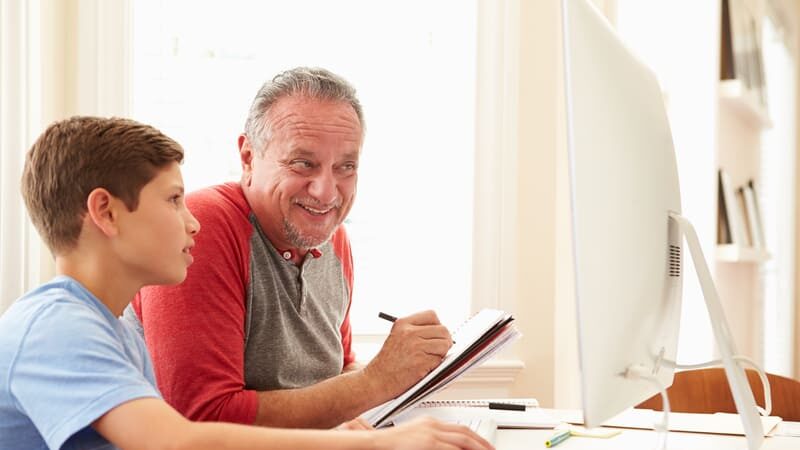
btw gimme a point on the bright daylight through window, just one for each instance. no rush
(413, 64)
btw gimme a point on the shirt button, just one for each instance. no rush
(287, 255)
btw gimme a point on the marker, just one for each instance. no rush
(391, 318)
(557, 438)
(506, 406)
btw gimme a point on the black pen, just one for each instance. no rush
(391, 318)
(388, 317)
(506, 406)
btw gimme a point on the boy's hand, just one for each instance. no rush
(427, 433)
(415, 346)
(355, 425)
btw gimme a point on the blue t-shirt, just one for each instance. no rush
(65, 360)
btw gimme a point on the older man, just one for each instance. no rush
(259, 332)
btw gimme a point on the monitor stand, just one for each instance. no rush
(740, 388)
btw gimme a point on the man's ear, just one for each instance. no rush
(102, 210)
(246, 155)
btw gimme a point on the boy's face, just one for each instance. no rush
(155, 240)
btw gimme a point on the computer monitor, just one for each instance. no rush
(624, 181)
(627, 228)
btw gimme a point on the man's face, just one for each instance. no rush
(302, 186)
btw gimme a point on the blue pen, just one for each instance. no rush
(557, 438)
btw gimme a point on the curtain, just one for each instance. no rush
(20, 247)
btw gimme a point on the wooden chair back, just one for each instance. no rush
(707, 391)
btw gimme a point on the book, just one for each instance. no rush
(724, 234)
(739, 18)
(758, 216)
(477, 339)
(741, 55)
(753, 221)
(732, 210)
(748, 231)
(726, 70)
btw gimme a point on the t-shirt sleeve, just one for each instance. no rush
(195, 330)
(341, 245)
(70, 370)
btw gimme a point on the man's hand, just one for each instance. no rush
(415, 346)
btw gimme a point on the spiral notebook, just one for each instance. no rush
(477, 339)
(459, 410)
(478, 403)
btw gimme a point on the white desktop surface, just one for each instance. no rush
(637, 439)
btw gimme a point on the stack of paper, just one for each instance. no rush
(531, 417)
(477, 340)
(717, 423)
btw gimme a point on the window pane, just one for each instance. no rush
(413, 64)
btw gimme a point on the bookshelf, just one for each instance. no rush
(732, 253)
(736, 97)
(742, 116)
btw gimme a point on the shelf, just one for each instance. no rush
(736, 253)
(744, 102)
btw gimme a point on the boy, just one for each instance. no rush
(106, 195)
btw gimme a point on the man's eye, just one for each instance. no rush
(175, 199)
(302, 164)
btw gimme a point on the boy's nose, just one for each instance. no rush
(192, 224)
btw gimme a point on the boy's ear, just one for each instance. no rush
(102, 211)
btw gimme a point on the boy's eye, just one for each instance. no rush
(175, 199)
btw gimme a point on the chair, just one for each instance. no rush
(707, 391)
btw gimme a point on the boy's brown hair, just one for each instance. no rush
(77, 155)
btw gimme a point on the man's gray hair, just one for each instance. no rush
(313, 82)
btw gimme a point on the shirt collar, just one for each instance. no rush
(289, 253)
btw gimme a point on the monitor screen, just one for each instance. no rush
(624, 185)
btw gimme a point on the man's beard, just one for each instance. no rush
(300, 240)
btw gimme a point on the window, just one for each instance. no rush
(413, 64)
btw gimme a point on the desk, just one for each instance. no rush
(638, 440)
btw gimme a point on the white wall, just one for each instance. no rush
(540, 144)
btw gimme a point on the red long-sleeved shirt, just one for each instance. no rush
(202, 332)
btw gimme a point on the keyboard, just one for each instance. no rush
(485, 427)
